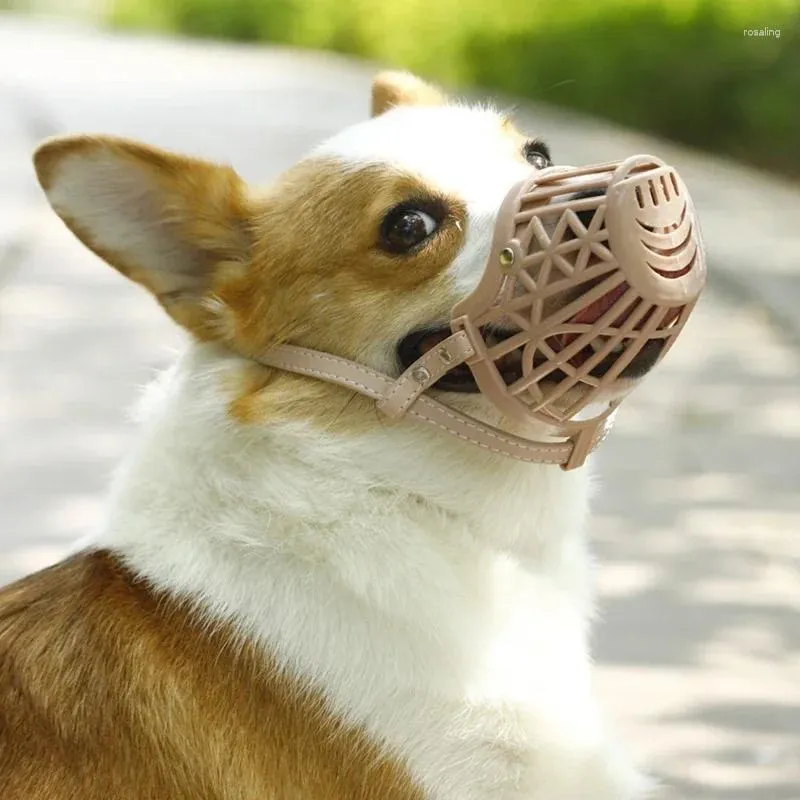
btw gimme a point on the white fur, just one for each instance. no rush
(437, 595)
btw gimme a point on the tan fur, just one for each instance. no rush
(335, 291)
(317, 275)
(203, 205)
(111, 692)
(391, 88)
(260, 394)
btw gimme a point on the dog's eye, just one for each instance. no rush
(405, 227)
(537, 154)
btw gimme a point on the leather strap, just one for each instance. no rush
(424, 372)
(404, 395)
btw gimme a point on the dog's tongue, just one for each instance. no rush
(588, 316)
(595, 310)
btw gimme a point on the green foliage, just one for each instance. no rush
(683, 69)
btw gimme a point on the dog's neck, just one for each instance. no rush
(293, 486)
(393, 563)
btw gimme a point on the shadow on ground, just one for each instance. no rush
(697, 538)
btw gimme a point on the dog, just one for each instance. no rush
(292, 597)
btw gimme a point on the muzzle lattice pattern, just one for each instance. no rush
(593, 274)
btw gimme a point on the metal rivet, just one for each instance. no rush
(421, 375)
(506, 257)
(445, 355)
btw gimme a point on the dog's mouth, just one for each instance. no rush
(461, 379)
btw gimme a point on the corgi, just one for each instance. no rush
(292, 597)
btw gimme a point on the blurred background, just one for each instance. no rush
(697, 530)
(683, 69)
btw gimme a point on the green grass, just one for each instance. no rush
(679, 68)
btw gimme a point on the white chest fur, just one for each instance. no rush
(437, 597)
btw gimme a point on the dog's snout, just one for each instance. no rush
(641, 364)
(586, 215)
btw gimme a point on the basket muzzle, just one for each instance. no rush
(591, 277)
(592, 274)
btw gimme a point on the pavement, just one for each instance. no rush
(697, 529)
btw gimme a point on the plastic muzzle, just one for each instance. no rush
(592, 275)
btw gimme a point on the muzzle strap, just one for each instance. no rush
(371, 383)
(424, 372)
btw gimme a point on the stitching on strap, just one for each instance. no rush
(545, 449)
(397, 387)
(336, 360)
(436, 368)
(279, 363)
(530, 456)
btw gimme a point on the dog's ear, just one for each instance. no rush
(165, 221)
(390, 89)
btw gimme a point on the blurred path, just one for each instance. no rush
(698, 524)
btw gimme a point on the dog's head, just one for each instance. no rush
(359, 250)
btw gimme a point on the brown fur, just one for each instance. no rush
(363, 289)
(316, 231)
(109, 691)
